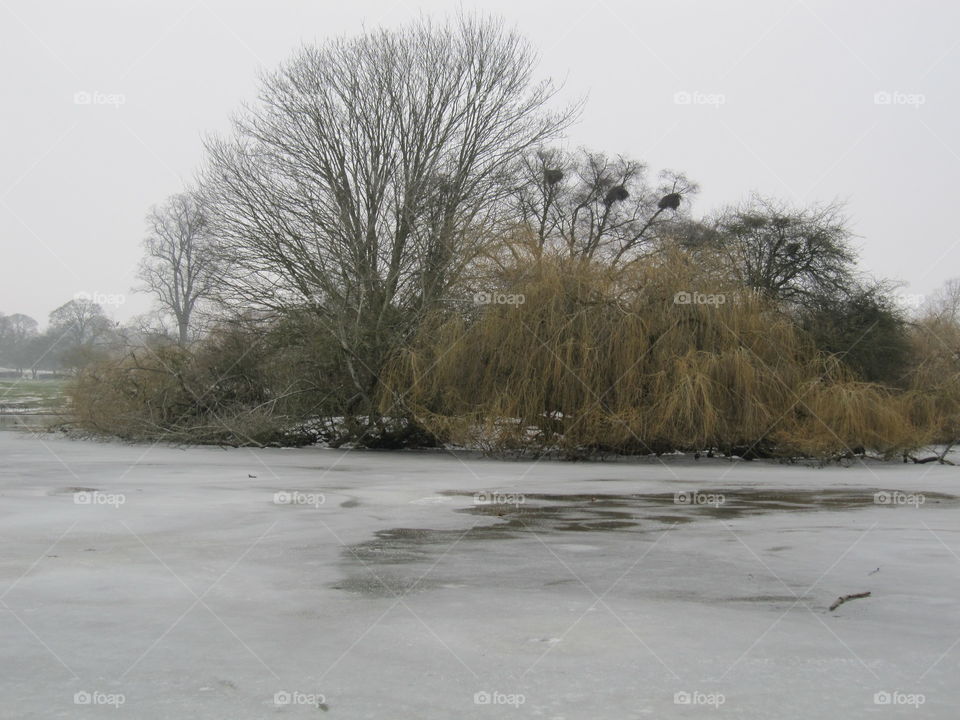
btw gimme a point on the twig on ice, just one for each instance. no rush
(844, 598)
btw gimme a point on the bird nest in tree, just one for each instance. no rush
(670, 201)
(616, 194)
(552, 177)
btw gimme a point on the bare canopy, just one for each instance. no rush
(179, 266)
(369, 173)
(587, 205)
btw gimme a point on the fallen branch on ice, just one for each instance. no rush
(844, 598)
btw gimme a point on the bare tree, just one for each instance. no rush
(79, 331)
(370, 174)
(944, 303)
(799, 256)
(179, 265)
(80, 321)
(588, 205)
(16, 332)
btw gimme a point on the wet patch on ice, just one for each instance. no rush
(767, 599)
(579, 514)
(577, 547)
(723, 503)
(399, 546)
(386, 585)
(543, 514)
(432, 500)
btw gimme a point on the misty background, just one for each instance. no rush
(105, 106)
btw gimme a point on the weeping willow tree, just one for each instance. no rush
(653, 356)
(934, 379)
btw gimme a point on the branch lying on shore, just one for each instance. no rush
(932, 458)
(844, 598)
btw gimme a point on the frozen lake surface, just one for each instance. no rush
(155, 582)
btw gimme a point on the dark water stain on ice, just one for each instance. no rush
(766, 599)
(385, 585)
(723, 503)
(374, 565)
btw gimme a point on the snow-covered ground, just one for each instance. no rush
(155, 582)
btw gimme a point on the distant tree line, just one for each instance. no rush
(77, 334)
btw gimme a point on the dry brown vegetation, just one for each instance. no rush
(595, 360)
(598, 360)
(935, 380)
(224, 391)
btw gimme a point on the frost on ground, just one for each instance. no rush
(154, 582)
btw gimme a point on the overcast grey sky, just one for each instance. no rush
(105, 104)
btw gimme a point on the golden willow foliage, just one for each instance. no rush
(597, 360)
(935, 378)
